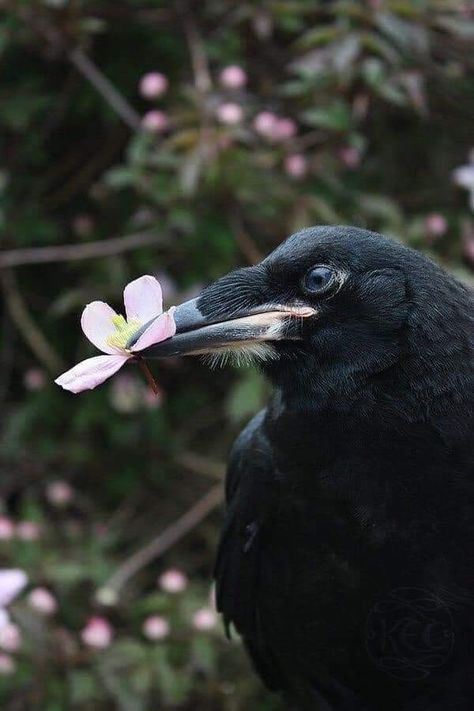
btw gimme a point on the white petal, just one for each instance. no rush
(464, 176)
(12, 583)
(143, 299)
(97, 324)
(91, 372)
(162, 328)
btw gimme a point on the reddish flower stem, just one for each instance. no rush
(148, 375)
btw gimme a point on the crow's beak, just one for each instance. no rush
(196, 333)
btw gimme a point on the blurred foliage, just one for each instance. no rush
(379, 95)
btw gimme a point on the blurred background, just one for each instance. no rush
(181, 139)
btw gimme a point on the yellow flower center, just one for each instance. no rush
(124, 331)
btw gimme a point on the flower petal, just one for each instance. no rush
(12, 583)
(464, 176)
(97, 324)
(143, 299)
(91, 372)
(160, 329)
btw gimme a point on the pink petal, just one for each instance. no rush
(91, 372)
(143, 299)
(162, 328)
(12, 583)
(96, 322)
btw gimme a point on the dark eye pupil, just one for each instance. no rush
(318, 278)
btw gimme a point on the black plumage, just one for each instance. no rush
(354, 489)
(346, 561)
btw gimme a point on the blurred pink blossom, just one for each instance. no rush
(7, 664)
(156, 627)
(154, 400)
(12, 582)
(28, 531)
(83, 225)
(155, 121)
(350, 156)
(436, 224)
(284, 129)
(10, 637)
(204, 619)
(44, 602)
(230, 113)
(296, 166)
(59, 493)
(7, 528)
(173, 581)
(34, 379)
(111, 332)
(264, 123)
(97, 633)
(153, 85)
(233, 77)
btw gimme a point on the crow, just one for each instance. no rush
(346, 560)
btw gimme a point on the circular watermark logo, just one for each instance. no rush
(410, 633)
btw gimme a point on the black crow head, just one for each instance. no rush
(332, 306)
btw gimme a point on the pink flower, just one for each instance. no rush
(153, 85)
(233, 77)
(28, 531)
(230, 113)
(34, 379)
(10, 637)
(44, 602)
(127, 394)
(155, 121)
(12, 582)
(296, 166)
(7, 664)
(59, 493)
(111, 333)
(350, 156)
(173, 581)
(436, 224)
(284, 129)
(156, 627)
(97, 633)
(204, 619)
(7, 528)
(264, 123)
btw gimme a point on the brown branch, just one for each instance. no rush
(105, 88)
(74, 252)
(204, 466)
(245, 243)
(26, 325)
(110, 592)
(202, 75)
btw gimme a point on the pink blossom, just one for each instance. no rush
(264, 123)
(155, 121)
(436, 224)
(284, 129)
(7, 528)
(233, 77)
(10, 637)
(156, 627)
(296, 166)
(12, 582)
(34, 379)
(230, 113)
(97, 633)
(153, 400)
(59, 493)
(7, 664)
(153, 85)
(44, 602)
(204, 619)
(28, 530)
(111, 333)
(350, 156)
(173, 581)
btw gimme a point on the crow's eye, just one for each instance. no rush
(319, 279)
